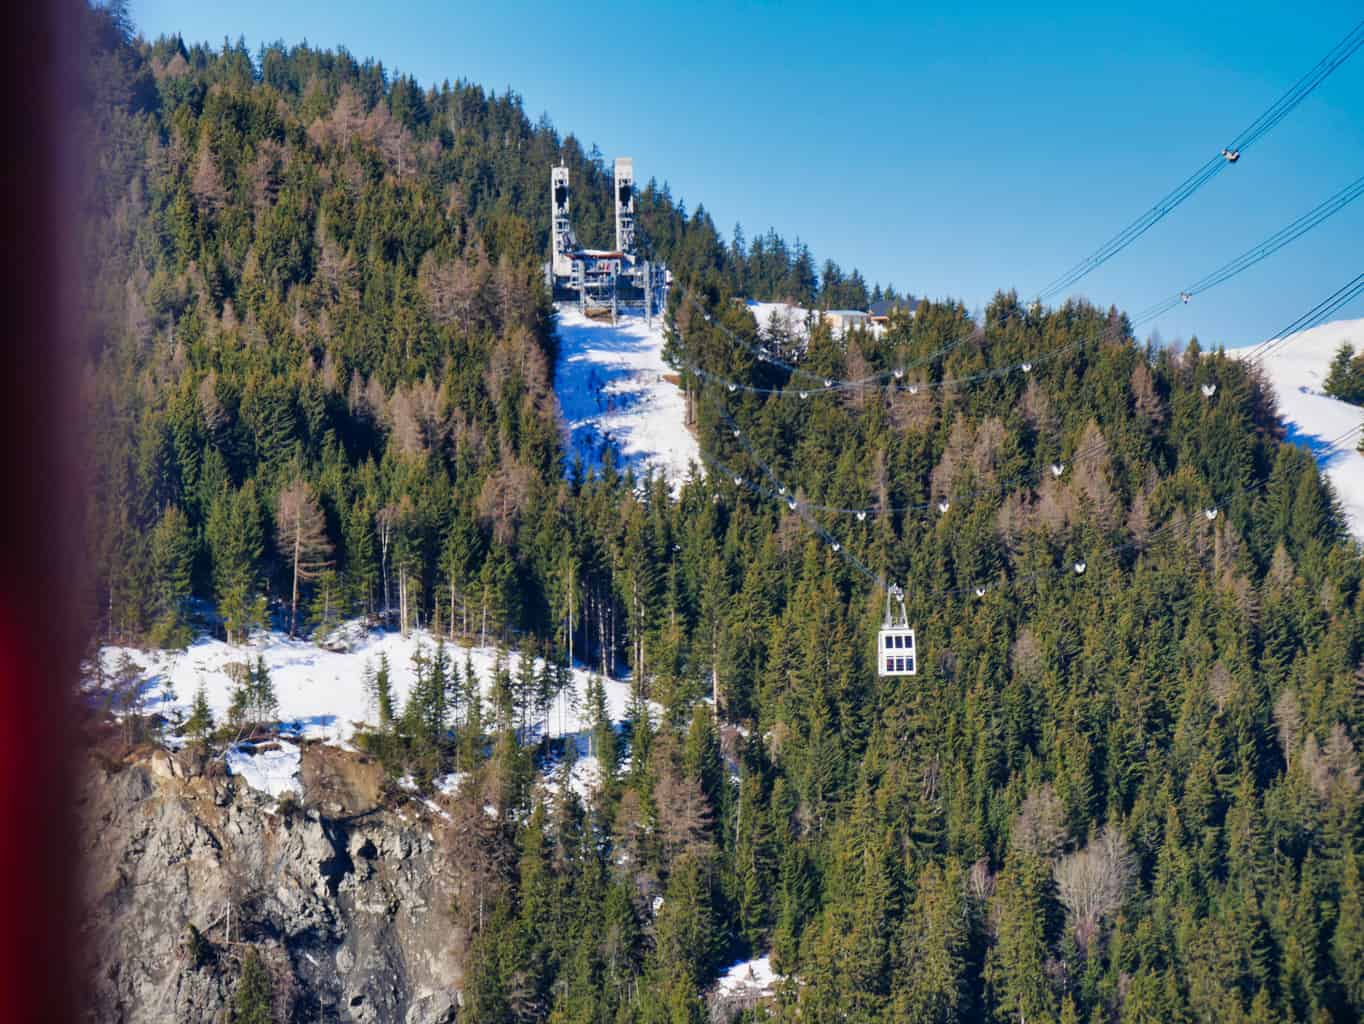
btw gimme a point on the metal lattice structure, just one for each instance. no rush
(625, 205)
(561, 224)
(602, 280)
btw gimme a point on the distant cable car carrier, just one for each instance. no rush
(895, 653)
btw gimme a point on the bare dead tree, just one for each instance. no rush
(207, 184)
(953, 459)
(265, 174)
(347, 117)
(1039, 826)
(455, 289)
(1090, 478)
(684, 816)
(504, 497)
(301, 531)
(215, 416)
(1091, 883)
(479, 857)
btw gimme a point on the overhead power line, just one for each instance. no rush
(1255, 254)
(1230, 154)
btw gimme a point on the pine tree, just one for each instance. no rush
(235, 544)
(1016, 970)
(200, 723)
(701, 756)
(933, 981)
(1345, 379)
(252, 998)
(689, 937)
(172, 552)
(379, 690)
(264, 703)
(1347, 943)
(603, 735)
(472, 734)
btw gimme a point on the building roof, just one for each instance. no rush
(888, 306)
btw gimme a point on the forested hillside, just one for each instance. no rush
(319, 384)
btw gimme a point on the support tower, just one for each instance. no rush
(561, 227)
(625, 206)
(602, 280)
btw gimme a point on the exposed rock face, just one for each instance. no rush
(346, 902)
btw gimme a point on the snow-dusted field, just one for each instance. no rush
(793, 321)
(613, 392)
(754, 977)
(1298, 370)
(321, 692)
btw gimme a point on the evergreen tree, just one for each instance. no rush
(199, 726)
(1347, 942)
(1345, 379)
(379, 689)
(603, 735)
(252, 998)
(172, 551)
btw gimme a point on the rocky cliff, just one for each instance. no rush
(344, 894)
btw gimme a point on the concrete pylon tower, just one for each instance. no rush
(625, 205)
(561, 228)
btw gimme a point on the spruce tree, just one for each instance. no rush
(199, 726)
(252, 998)
(1347, 942)
(264, 703)
(172, 552)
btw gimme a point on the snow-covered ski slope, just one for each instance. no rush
(321, 692)
(614, 392)
(1297, 369)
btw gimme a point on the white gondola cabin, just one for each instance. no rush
(895, 651)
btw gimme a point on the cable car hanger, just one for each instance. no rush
(1076, 567)
(829, 384)
(1210, 514)
(980, 588)
(1257, 253)
(760, 352)
(1223, 274)
(1230, 154)
(1056, 468)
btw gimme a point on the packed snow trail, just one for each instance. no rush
(1297, 368)
(615, 393)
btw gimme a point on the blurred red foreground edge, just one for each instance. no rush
(41, 637)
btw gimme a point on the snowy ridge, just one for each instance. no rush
(614, 392)
(321, 692)
(1297, 369)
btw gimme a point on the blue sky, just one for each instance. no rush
(954, 152)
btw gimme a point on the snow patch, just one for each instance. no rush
(584, 779)
(755, 977)
(271, 768)
(614, 393)
(450, 784)
(321, 692)
(1297, 369)
(782, 318)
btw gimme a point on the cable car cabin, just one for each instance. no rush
(895, 654)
